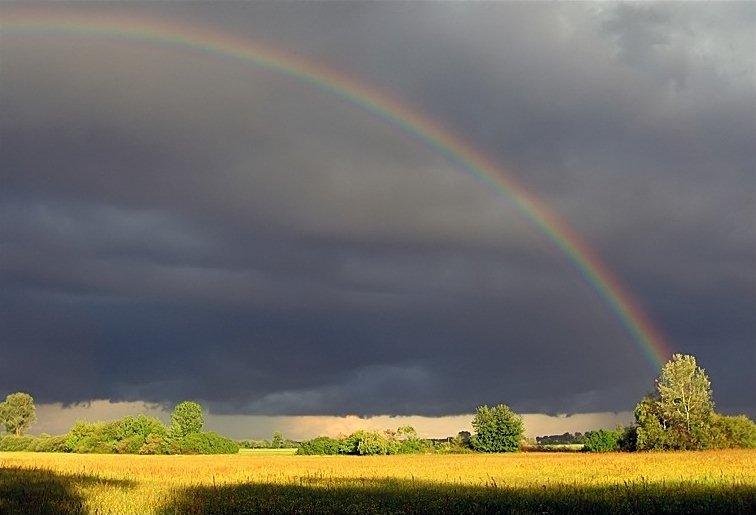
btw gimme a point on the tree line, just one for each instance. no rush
(138, 434)
(679, 415)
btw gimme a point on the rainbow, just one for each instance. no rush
(36, 22)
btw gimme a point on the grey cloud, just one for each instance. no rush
(179, 226)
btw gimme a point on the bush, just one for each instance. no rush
(733, 432)
(628, 442)
(204, 443)
(47, 443)
(154, 444)
(93, 437)
(13, 443)
(413, 446)
(319, 445)
(368, 443)
(497, 429)
(603, 440)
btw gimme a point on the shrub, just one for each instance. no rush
(204, 443)
(154, 444)
(368, 443)
(497, 429)
(319, 445)
(628, 442)
(47, 443)
(603, 440)
(129, 445)
(141, 426)
(733, 432)
(13, 443)
(413, 446)
(93, 437)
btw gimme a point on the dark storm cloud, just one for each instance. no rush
(176, 226)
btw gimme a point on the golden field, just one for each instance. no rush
(709, 481)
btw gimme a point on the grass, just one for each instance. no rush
(692, 482)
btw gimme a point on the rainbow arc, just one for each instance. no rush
(40, 22)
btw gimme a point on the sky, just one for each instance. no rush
(175, 225)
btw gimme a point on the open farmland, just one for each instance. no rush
(710, 481)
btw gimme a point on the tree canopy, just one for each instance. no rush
(186, 419)
(18, 413)
(679, 415)
(497, 429)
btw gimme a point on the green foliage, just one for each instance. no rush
(18, 413)
(652, 432)
(11, 443)
(628, 441)
(129, 435)
(278, 441)
(42, 443)
(413, 446)
(368, 443)
(49, 443)
(733, 432)
(497, 429)
(409, 442)
(140, 426)
(679, 415)
(685, 402)
(155, 443)
(319, 445)
(204, 443)
(93, 437)
(603, 440)
(186, 419)
(463, 439)
(254, 444)
(365, 443)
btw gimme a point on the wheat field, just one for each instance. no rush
(694, 482)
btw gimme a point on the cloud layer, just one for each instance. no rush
(179, 226)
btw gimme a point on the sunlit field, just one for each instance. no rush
(711, 481)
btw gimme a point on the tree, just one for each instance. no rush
(406, 433)
(679, 415)
(463, 439)
(277, 442)
(603, 440)
(18, 413)
(497, 429)
(186, 419)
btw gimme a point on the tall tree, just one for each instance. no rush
(679, 416)
(497, 429)
(18, 413)
(186, 419)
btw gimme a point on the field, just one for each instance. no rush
(711, 481)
